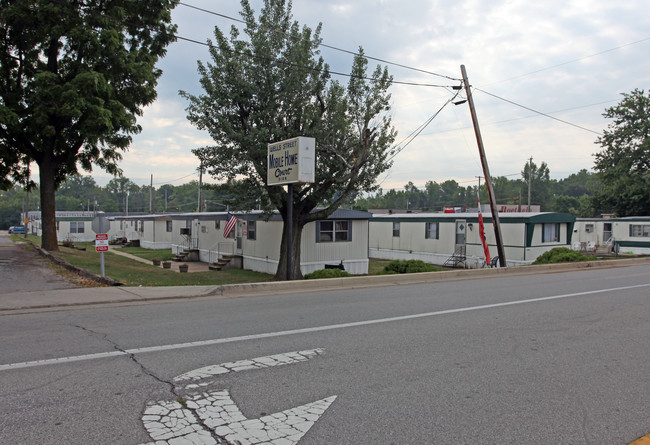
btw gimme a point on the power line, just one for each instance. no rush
(294, 65)
(573, 61)
(331, 47)
(415, 133)
(538, 112)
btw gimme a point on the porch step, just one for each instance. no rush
(219, 265)
(457, 258)
(184, 255)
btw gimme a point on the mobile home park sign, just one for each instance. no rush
(291, 161)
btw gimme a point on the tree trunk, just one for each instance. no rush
(48, 208)
(281, 273)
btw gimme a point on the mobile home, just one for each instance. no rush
(255, 240)
(624, 235)
(437, 237)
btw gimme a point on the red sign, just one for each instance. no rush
(449, 210)
(101, 242)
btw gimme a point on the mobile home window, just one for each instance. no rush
(251, 231)
(168, 226)
(217, 224)
(431, 230)
(396, 229)
(550, 233)
(333, 231)
(76, 227)
(589, 228)
(640, 230)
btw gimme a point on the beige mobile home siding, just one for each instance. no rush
(411, 242)
(354, 254)
(619, 238)
(520, 246)
(155, 235)
(263, 253)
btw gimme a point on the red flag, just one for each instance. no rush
(481, 232)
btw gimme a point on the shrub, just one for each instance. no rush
(409, 266)
(326, 273)
(561, 255)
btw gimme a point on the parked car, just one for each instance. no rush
(17, 229)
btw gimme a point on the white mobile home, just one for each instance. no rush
(437, 237)
(152, 231)
(624, 235)
(255, 241)
(70, 226)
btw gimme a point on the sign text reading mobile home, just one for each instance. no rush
(291, 161)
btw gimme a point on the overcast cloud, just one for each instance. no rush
(568, 59)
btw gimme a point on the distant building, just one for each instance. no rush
(623, 235)
(70, 225)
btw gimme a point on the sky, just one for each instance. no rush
(568, 60)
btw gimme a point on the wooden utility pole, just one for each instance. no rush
(486, 172)
(198, 206)
(151, 196)
(530, 180)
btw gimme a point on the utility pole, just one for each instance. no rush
(486, 171)
(151, 195)
(530, 179)
(25, 220)
(198, 208)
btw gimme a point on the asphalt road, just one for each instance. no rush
(25, 270)
(547, 359)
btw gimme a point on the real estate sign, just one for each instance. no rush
(291, 161)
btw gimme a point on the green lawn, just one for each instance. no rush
(375, 266)
(134, 273)
(148, 254)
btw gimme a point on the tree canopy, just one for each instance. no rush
(273, 85)
(624, 162)
(74, 77)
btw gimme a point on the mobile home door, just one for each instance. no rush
(461, 236)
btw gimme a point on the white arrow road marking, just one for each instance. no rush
(170, 422)
(288, 358)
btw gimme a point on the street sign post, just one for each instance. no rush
(101, 242)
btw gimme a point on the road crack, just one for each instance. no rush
(173, 389)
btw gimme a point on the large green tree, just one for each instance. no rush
(273, 85)
(74, 76)
(624, 162)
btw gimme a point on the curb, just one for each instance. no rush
(128, 294)
(415, 278)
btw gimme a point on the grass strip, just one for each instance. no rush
(134, 273)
